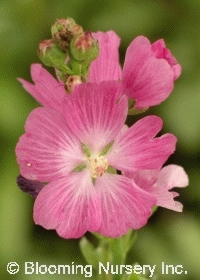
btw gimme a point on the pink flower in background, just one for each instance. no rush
(77, 150)
(148, 73)
(160, 182)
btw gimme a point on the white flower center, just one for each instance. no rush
(97, 166)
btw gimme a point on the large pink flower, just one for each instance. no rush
(77, 152)
(149, 69)
(160, 182)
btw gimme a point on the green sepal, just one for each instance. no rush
(111, 170)
(154, 209)
(86, 150)
(106, 149)
(134, 111)
(84, 48)
(79, 168)
(51, 55)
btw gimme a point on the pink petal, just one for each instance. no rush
(166, 199)
(170, 176)
(137, 148)
(173, 176)
(161, 51)
(146, 79)
(95, 113)
(123, 205)
(106, 66)
(69, 205)
(48, 149)
(145, 179)
(46, 90)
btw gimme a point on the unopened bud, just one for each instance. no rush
(64, 30)
(51, 55)
(84, 47)
(61, 25)
(71, 82)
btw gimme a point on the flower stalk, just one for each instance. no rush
(109, 250)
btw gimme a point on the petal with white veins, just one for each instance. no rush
(69, 205)
(48, 149)
(137, 149)
(124, 205)
(106, 66)
(96, 113)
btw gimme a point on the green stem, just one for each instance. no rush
(109, 250)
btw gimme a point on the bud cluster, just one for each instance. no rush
(70, 51)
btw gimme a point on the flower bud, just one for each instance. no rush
(51, 55)
(84, 47)
(71, 82)
(64, 30)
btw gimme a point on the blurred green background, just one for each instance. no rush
(169, 237)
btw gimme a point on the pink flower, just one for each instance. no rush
(160, 182)
(149, 70)
(148, 74)
(77, 152)
(46, 90)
